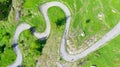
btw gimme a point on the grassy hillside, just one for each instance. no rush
(91, 17)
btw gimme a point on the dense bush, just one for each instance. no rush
(4, 8)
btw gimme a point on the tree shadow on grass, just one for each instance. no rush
(41, 44)
(2, 48)
(61, 21)
(5, 9)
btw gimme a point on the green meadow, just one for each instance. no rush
(91, 17)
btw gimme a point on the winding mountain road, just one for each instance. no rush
(64, 54)
(107, 37)
(20, 28)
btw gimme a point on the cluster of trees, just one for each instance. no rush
(5, 6)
